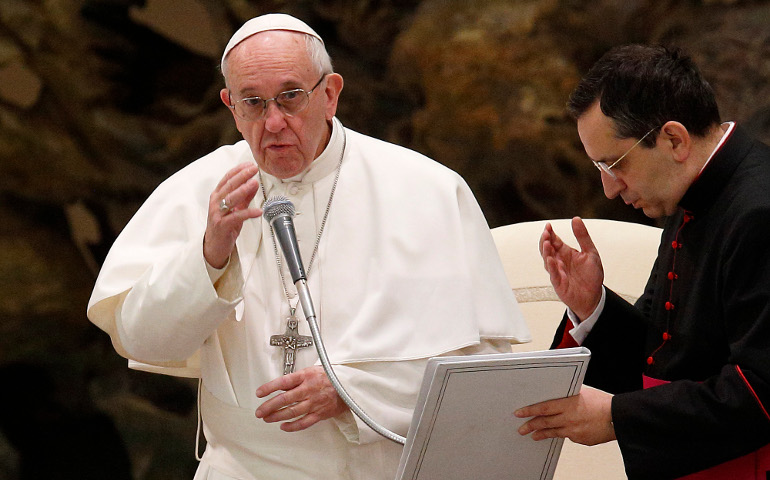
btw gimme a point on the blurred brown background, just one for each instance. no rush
(100, 100)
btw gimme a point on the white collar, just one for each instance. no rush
(725, 136)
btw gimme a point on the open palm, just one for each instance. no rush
(576, 276)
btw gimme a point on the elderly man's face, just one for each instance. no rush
(265, 65)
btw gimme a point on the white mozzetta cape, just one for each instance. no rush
(406, 270)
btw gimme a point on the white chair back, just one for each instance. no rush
(628, 251)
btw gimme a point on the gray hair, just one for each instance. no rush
(315, 49)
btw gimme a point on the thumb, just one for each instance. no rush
(582, 236)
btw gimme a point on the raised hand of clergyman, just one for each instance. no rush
(576, 276)
(308, 397)
(228, 209)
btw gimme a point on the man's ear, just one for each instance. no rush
(333, 88)
(677, 139)
(224, 95)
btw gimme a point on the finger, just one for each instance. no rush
(234, 178)
(547, 245)
(287, 412)
(234, 190)
(555, 240)
(582, 236)
(549, 242)
(298, 402)
(277, 403)
(536, 424)
(526, 428)
(239, 216)
(301, 423)
(230, 174)
(284, 382)
(237, 175)
(547, 408)
(243, 194)
(543, 422)
(546, 251)
(549, 433)
(545, 237)
(556, 272)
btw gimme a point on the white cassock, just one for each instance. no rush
(406, 270)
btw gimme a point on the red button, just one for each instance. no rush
(650, 361)
(669, 306)
(666, 336)
(687, 218)
(672, 276)
(674, 244)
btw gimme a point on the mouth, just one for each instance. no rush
(277, 147)
(633, 203)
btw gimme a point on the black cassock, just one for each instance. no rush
(709, 295)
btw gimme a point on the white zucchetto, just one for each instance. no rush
(264, 23)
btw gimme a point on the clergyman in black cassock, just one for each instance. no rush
(689, 363)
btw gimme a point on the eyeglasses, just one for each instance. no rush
(608, 168)
(291, 102)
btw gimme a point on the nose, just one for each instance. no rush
(275, 119)
(612, 186)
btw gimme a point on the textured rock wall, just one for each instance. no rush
(100, 100)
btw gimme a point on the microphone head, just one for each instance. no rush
(278, 205)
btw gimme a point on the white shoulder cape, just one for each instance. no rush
(408, 268)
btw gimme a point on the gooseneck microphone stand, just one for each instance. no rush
(279, 211)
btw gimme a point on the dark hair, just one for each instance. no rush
(642, 87)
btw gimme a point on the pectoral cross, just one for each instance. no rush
(291, 340)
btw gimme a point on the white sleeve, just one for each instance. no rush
(582, 329)
(173, 307)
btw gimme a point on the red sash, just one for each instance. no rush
(754, 466)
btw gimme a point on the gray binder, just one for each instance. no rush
(463, 426)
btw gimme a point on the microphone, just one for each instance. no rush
(279, 211)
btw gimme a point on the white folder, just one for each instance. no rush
(464, 428)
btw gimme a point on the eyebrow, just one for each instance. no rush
(284, 87)
(611, 158)
(607, 160)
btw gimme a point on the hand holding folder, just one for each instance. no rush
(464, 426)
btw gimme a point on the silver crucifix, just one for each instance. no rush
(290, 341)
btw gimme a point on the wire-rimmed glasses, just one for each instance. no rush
(291, 102)
(603, 167)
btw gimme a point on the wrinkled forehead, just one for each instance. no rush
(268, 61)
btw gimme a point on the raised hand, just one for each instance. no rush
(228, 209)
(576, 276)
(308, 397)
